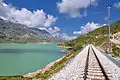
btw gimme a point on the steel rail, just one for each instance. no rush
(103, 70)
(86, 66)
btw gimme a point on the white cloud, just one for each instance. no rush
(66, 37)
(53, 30)
(50, 19)
(72, 7)
(4, 10)
(43, 28)
(36, 18)
(117, 5)
(77, 32)
(56, 29)
(88, 27)
(1, 1)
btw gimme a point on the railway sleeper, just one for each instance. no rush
(95, 77)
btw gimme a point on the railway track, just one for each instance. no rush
(89, 64)
(94, 69)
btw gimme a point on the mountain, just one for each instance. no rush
(43, 34)
(10, 31)
(97, 37)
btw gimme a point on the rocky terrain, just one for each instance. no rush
(10, 31)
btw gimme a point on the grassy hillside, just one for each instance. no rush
(104, 30)
(97, 37)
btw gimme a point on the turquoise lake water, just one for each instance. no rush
(19, 59)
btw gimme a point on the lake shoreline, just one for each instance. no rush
(46, 68)
(27, 57)
(64, 47)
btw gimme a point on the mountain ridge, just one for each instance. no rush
(10, 31)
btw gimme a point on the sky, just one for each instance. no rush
(70, 17)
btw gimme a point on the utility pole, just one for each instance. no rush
(109, 46)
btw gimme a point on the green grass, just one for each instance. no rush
(115, 51)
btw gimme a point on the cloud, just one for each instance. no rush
(43, 28)
(4, 10)
(50, 19)
(53, 30)
(63, 36)
(88, 27)
(37, 18)
(117, 5)
(72, 7)
(66, 37)
(56, 29)
(77, 32)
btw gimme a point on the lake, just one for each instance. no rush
(19, 59)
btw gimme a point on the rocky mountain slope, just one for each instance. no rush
(18, 32)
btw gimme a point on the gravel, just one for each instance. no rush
(108, 65)
(74, 70)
